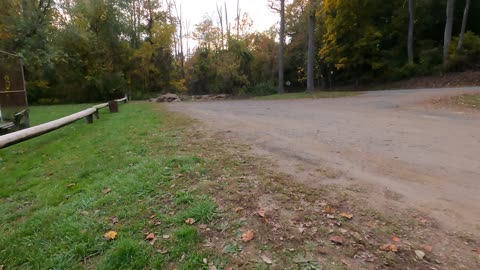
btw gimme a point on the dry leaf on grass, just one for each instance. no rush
(153, 216)
(389, 247)
(266, 259)
(162, 251)
(190, 221)
(329, 210)
(202, 226)
(212, 267)
(248, 236)
(114, 220)
(111, 235)
(395, 239)
(106, 190)
(420, 254)
(261, 213)
(237, 209)
(71, 185)
(346, 215)
(427, 248)
(166, 236)
(337, 239)
(150, 236)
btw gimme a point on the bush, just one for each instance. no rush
(468, 57)
(263, 89)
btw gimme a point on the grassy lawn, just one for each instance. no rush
(467, 100)
(180, 198)
(308, 95)
(61, 192)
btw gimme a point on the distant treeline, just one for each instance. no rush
(89, 50)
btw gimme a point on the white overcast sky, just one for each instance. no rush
(262, 16)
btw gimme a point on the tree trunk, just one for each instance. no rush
(238, 19)
(311, 48)
(411, 28)
(281, 88)
(464, 25)
(448, 30)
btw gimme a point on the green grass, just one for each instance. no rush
(468, 100)
(313, 95)
(53, 213)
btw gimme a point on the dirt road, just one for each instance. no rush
(384, 146)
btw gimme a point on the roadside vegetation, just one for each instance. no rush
(145, 189)
(467, 100)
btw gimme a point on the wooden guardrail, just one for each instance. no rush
(88, 114)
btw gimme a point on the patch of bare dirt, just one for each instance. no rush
(270, 220)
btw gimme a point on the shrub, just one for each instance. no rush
(263, 89)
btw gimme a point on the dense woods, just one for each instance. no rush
(86, 50)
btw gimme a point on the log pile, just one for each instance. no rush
(168, 98)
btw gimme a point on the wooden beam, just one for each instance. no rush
(25, 134)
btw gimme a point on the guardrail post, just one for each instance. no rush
(96, 115)
(89, 118)
(113, 106)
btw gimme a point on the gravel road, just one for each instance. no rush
(388, 147)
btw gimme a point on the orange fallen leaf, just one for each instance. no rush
(190, 221)
(427, 248)
(153, 216)
(111, 235)
(346, 215)
(106, 190)
(395, 239)
(389, 247)
(261, 213)
(150, 236)
(337, 239)
(202, 226)
(476, 250)
(248, 236)
(329, 210)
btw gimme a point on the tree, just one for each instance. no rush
(411, 26)
(464, 25)
(447, 38)
(311, 48)
(281, 49)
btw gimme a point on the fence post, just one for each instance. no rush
(89, 118)
(113, 106)
(96, 115)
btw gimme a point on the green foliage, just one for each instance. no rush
(468, 57)
(263, 89)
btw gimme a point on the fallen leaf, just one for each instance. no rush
(208, 244)
(166, 236)
(266, 259)
(389, 247)
(395, 239)
(71, 185)
(202, 226)
(153, 216)
(212, 267)
(85, 213)
(237, 209)
(162, 251)
(346, 215)
(420, 254)
(476, 250)
(301, 229)
(261, 213)
(427, 248)
(111, 235)
(330, 216)
(150, 236)
(114, 220)
(329, 210)
(345, 262)
(247, 236)
(337, 239)
(106, 190)
(190, 221)
(205, 261)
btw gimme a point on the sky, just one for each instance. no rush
(263, 18)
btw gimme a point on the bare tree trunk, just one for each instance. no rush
(226, 22)
(311, 48)
(220, 18)
(281, 88)
(238, 19)
(180, 40)
(464, 25)
(411, 28)
(448, 30)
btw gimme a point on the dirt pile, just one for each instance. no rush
(168, 98)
